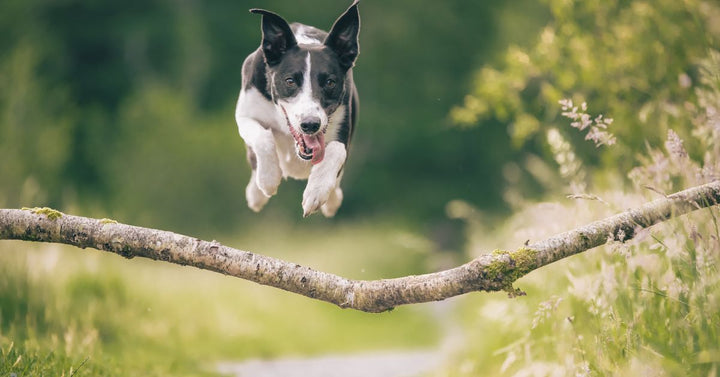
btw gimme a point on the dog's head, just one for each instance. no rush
(308, 81)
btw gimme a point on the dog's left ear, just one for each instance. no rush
(277, 37)
(343, 37)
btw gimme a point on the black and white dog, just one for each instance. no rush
(297, 108)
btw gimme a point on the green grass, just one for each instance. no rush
(66, 311)
(647, 307)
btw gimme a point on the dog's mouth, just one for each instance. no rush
(309, 147)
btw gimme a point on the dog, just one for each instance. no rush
(298, 107)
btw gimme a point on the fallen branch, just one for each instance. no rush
(489, 272)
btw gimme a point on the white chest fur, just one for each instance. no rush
(253, 105)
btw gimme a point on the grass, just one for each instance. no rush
(66, 311)
(647, 307)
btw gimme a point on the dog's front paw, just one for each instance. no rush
(268, 178)
(256, 199)
(315, 196)
(322, 188)
(268, 169)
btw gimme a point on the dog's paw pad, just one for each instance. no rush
(313, 198)
(310, 206)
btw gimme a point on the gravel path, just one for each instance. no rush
(385, 364)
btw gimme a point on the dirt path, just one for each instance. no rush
(378, 364)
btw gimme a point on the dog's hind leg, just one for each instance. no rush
(256, 199)
(329, 209)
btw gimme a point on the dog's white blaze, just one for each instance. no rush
(302, 38)
(303, 105)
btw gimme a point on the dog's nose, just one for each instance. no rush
(310, 125)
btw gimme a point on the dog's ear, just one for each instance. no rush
(277, 37)
(343, 37)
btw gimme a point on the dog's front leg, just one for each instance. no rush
(266, 175)
(324, 180)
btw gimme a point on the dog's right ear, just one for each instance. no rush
(277, 38)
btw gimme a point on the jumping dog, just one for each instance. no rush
(298, 107)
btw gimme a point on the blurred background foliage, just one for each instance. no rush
(636, 61)
(125, 110)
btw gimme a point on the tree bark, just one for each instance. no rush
(489, 272)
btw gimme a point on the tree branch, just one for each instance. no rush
(489, 272)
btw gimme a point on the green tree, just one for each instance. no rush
(636, 61)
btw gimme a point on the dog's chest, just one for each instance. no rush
(290, 164)
(253, 105)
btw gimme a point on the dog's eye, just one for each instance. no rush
(329, 83)
(290, 81)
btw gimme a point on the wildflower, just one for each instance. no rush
(545, 310)
(583, 370)
(674, 145)
(597, 126)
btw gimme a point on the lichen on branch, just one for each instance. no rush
(51, 214)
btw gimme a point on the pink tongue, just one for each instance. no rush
(317, 144)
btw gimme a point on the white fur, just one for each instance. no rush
(253, 105)
(256, 198)
(303, 105)
(291, 165)
(323, 183)
(302, 38)
(262, 142)
(254, 125)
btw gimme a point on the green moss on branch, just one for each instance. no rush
(508, 266)
(51, 214)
